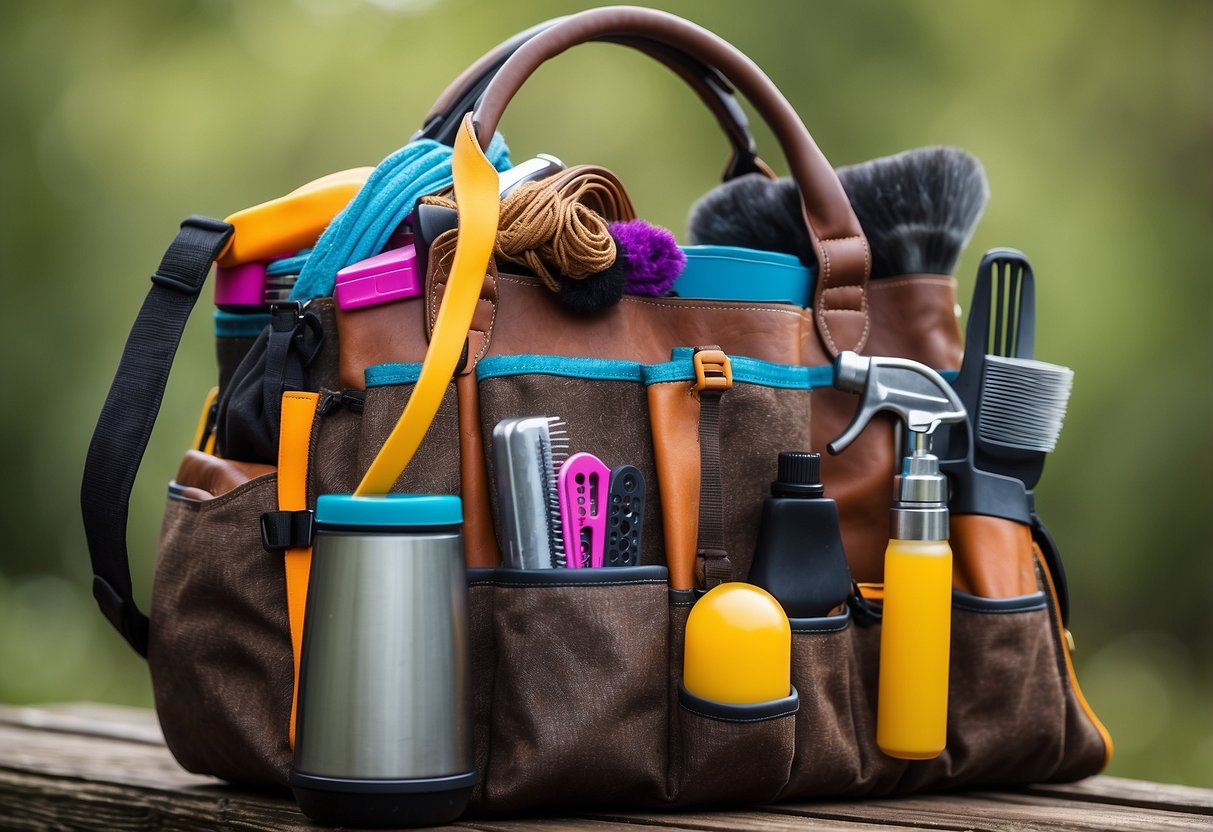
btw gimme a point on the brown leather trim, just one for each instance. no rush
(529, 320)
(480, 333)
(832, 225)
(674, 418)
(205, 476)
(479, 539)
(992, 557)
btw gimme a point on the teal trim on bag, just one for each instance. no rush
(240, 325)
(594, 369)
(745, 370)
(381, 375)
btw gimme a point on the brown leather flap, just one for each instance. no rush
(205, 476)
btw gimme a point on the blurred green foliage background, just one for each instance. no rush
(1094, 119)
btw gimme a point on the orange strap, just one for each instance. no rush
(294, 444)
(204, 435)
(1065, 640)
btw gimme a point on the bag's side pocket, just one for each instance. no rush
(579, 700)
(220, 650)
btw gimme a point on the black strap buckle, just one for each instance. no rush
(282, 530)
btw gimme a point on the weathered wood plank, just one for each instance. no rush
(1125, 792)
(753, 820)
(38, 802)
(999, 812)
(98, 759)
(95, 767)
(86, 719)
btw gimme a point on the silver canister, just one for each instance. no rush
(383, 721)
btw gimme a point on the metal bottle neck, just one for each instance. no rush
(921, 511)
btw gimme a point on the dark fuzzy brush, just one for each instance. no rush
(918, 209)
(596, 292)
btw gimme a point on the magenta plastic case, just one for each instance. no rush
(242, 285)
(379, 279)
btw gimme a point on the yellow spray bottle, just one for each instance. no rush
(915, 639)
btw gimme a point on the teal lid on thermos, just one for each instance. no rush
(389, 510)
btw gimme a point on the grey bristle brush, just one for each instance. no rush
(918, 209)
(527, 454)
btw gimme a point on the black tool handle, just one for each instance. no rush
(625, 520)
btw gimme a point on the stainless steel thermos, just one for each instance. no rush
(383, 724)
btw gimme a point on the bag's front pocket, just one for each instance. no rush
(1006, 697)
(735, 753)
(724, 753)
(603, 407)
(836, 723)
(434, 468)
(764, 412)
(1006, 704)
(579, 699)
(482, 651)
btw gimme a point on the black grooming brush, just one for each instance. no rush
(918, 209)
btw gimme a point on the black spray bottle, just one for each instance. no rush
(799, 558)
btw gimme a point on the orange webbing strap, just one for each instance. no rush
(1064, 638)
(294, 444)
(476, 195)
(204, 434)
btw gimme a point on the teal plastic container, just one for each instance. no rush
(745, 274)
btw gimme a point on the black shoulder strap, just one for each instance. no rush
(130, 412)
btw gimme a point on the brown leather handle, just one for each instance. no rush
(844, 261)
(711, 87)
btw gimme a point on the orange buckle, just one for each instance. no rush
(713, 370)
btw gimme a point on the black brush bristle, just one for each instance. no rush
(752, 211)
(918, 209)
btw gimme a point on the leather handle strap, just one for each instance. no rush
(442, 122)
(129, 412)
(840, 303)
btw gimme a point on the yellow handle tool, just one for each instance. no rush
(291, 222)
(479, 207)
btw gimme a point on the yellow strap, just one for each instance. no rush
(294, 443)
(202, 436)
(479, 205)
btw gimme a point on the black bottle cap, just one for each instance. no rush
(799, 475)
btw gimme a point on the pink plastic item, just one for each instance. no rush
(582, 484)
(379, 279)
(242, 285)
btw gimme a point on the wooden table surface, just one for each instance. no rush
(97, 767)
